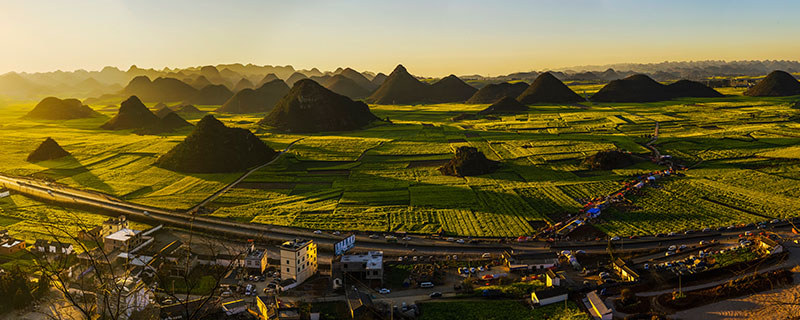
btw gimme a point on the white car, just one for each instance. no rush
(336, 233)
(385, 291)
(318, 232)
(615, 239)
(460, 241)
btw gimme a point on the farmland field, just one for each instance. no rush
(385, 178)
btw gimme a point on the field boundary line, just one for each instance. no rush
(219, 192)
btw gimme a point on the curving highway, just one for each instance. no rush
(75, 197)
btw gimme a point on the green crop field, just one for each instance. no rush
(385, 178)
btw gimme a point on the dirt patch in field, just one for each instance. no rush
(456, 140)
(471, 134)
(586, 232)
(581, 173)
(427, 125)
(264, 185)
(343, 172)
(537, 224)
(710, 127)
(732, 107)
(426, 163)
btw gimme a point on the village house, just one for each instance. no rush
(234, 307)
(769, 246)
(549, 296)
(53, 247)
(624, 270)
(598, 308)
(553, 278)
(529, 261)
(10, 245)
(298, 262)
(256, 260)
(366, 266)
(124, 240)
(266, 307)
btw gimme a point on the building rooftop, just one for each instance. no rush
(769, 242)
(373, 259)
(295, 244)
(11, 243)
(598, 303)
(550, 292)
(123, 235)
(230, 305)
(256, 254)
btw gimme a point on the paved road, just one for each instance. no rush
(261, 232)
(71, 196)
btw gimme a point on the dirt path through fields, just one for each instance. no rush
(240, 179)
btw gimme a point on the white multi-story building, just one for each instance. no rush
(369, 265)
(298, 261)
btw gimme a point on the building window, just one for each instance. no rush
(287, 269)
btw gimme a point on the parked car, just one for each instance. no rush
(317, 231)
(374, 236)
(426, 284)
(460, 241)
(615, 239)
(671, 234)
(384, 291)
(436, 294)
(672, 248)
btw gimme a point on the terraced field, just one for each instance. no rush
(385, 178)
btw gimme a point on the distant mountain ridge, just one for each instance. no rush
(110, 80)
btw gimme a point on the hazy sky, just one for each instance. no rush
(429, 37)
